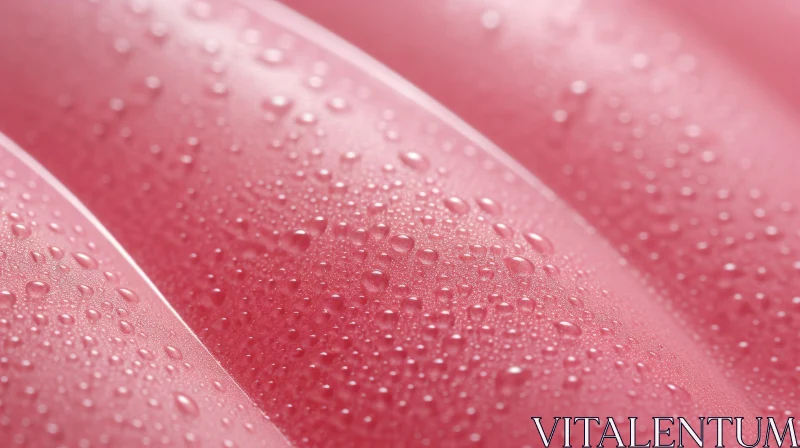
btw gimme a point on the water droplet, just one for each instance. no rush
(93, 315)
(217, 296)
(412, 305)
(401, 243)
(454, 344)
(539, 243)
(20, 231)
(337, 104)
(568, 330)
(318, 225)
(277, 104)
(272, 56)
(526, 304)
(579, 87)
(299, 241)
(477, 313)
(519, 266)
(7, 299)
(186, 405)
(510, 380)
(173, 352)
(679, 393)
(125, 327)
(427, 256)
(374, 281)
(503, 231)
(37, 290)
(456, 205)
(306, 118)
(379, 231)
(86, 261)
(153, 83)
(128, 295)
(388, 320)
(489, 206)
(56, 252)
(572, 382)
(350, 157)
(415, 161)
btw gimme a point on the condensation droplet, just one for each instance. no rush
(568, 330)
(415, 161)
(36, 289)
(401, 243)
(21, 231)
(427, 256)
(128, 295)
(510, 380)
(539, 243)
(299, 241)
(86, 261)
(173, 352)
(7, 299)
(489, 206)
(456, 205)
(519, 266)
(374, 281)
(186, 405)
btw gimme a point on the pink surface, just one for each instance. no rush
(92, 355)
(675, 135)
(372, 271)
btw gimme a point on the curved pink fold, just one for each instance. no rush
(373, 271)
(92, 354)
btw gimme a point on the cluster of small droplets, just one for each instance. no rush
(657, 154)
(363, 270)
(85, 339)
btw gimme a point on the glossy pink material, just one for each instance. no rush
(671, 127)
(92, 355)
(371, 270)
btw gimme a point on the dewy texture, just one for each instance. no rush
(373, 272)
(677, 140)
(91, 354)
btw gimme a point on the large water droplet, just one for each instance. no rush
(7, 299)
(572, 382)
(37, 290)
(456, 205)
(415, 161)
(186, 405)
(568, 330)
(374, 281)
(173, 352)
(510, 380)
(519, 266)
(401, 243)
(21, 231)
(299, 241)
(128, 295)
(679, 393)
(539, 243)
(489, 206)
(86, 261)
(427, 256)
(277, 104)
